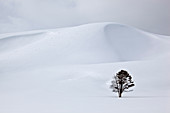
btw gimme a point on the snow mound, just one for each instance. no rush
(91, 43)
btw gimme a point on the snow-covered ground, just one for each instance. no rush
(68, 70)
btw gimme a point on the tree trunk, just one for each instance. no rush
(120, 91)
(120, 94)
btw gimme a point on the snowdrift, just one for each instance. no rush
(91, 43)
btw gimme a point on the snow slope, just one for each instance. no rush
(68, 70)
(93, 43)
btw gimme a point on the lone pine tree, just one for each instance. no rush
(122, 81)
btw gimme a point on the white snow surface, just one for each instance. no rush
(68, 70)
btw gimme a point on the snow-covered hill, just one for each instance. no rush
(91, 43)
(68, 70)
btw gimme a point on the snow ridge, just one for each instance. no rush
(91, 43)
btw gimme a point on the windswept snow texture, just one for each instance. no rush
(68, 70)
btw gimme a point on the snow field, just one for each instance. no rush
(68, 70)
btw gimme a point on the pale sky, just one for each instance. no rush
(22, 15)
